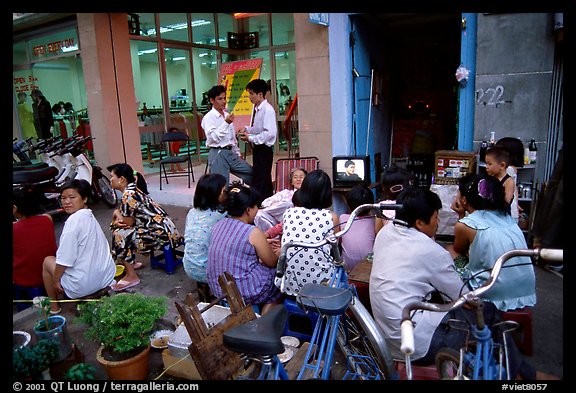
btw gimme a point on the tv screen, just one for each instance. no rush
(349, 171)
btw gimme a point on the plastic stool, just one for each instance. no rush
(522, 335)
(300, 323)
(26, 293)
(168, 259)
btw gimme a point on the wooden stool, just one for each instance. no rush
(522, 335)
(211, 358)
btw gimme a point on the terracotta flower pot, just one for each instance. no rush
(135, 368)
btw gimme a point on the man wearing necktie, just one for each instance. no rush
(262, 134)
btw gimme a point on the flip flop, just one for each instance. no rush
(123, 285)
(138, 265)
(56, 312)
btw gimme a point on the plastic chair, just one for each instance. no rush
(285, 165)
(170, 156)
(26, 293)
(169, 258)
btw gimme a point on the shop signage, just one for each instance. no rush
(53, 44)
(235, 76)
(319, 18)
(25, 83)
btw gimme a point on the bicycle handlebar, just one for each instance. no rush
(332, 238)
(406, 326)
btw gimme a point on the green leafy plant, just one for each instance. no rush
(29, 362)
(42, 303)
(123, 322)
(80, 372)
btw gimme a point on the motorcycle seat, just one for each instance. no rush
(34, 175)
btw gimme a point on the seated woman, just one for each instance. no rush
(209, 199)
(83, 264)
(358, 242)
(240, 248)
(311, 221)
(487, 232)
(139, 225)
(273, 207)
(33, 239)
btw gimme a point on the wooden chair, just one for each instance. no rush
(211, 358)
(285, 165)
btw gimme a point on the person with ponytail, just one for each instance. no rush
(484, 232)
(240, 248)
(139, 225)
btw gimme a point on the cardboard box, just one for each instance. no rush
(450, 165)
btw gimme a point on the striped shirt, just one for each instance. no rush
(230, 251)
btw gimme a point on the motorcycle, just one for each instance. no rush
(63, 160)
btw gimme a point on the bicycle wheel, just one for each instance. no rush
(107, 193)
(363, 344)
(448, 362)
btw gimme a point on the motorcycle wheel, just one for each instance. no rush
(105, 191)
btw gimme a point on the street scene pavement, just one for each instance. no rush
(547, 314)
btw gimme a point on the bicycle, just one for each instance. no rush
(480, 358)
(343, 320)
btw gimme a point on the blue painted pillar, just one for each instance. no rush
(466, 94)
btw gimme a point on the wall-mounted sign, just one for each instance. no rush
(319, 18)
(53, 44)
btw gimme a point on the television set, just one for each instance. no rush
(348, 171)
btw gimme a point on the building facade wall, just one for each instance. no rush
(313, 76)
(515, 55)
(110, 88)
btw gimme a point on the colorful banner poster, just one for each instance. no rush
(235, 76)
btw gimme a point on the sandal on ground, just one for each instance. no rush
(122, 285)
(56, 312)
(138, 265)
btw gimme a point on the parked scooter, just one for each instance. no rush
(63, 160)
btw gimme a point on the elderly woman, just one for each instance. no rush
(140, 225)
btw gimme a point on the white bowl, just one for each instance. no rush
(290, 341)
(159, 339)
(285, 356)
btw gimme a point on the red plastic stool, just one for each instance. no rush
(522, 335)
(168, 259)
(418, 372)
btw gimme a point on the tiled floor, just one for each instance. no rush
(176, 192)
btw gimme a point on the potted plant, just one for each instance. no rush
(80, 372)
(34, 362)
(122, 324)
(52, 327)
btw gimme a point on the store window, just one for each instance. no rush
(282, 28)
(174, 27)
(203, 29)
(226, 23)
(205, 74)
(259, 24)
(142, 24)
(179, 82)
(50, 63)
(146, 73)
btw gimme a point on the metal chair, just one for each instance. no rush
(170, 155)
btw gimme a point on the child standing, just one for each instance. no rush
(515, 149)
(497, 161)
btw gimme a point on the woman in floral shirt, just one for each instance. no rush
(140, 225)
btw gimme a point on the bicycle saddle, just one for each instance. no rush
(323, 299)
(260, 336)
